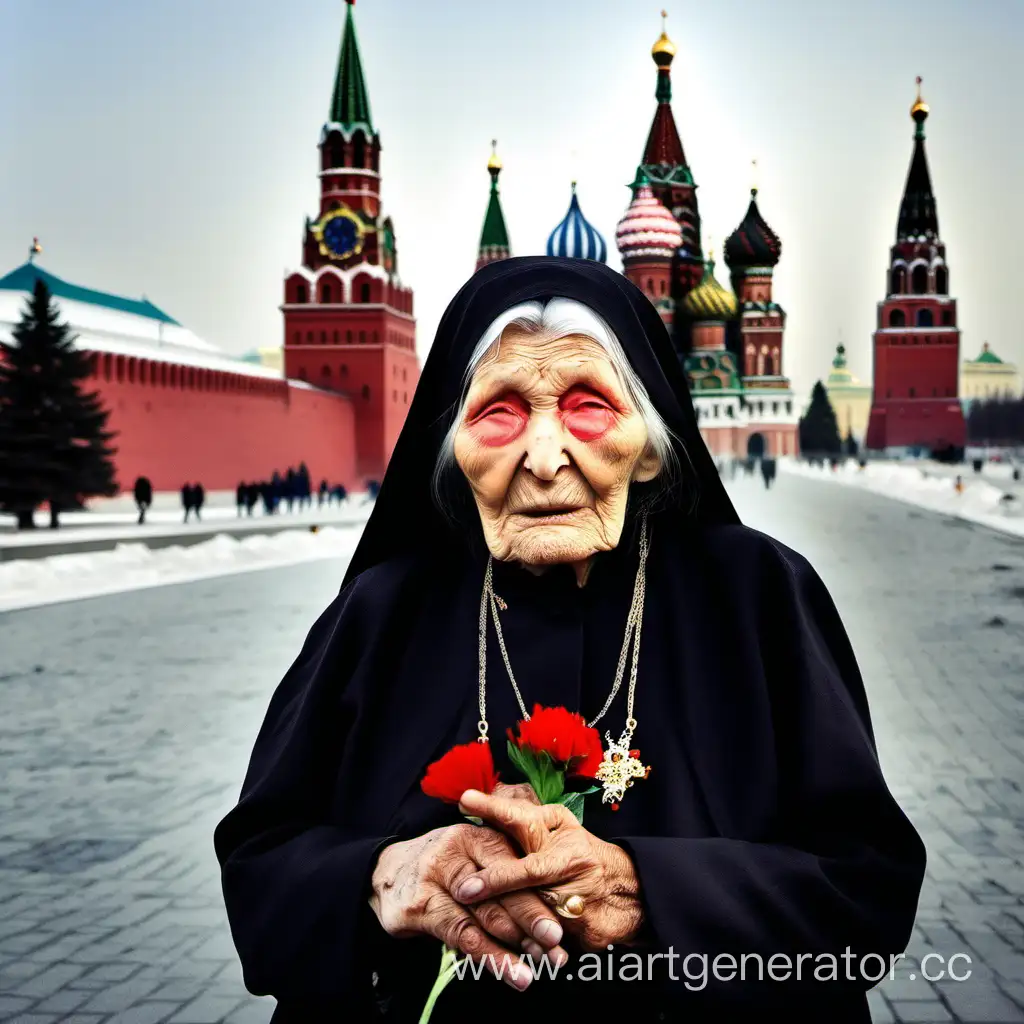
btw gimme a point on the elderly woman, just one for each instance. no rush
(551, 530)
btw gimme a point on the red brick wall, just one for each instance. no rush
(178, 425)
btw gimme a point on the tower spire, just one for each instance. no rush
(494, 236)
(350, 102)
(918, 214)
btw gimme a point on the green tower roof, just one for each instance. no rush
(495, 234)
(350, 103)
(987, 355)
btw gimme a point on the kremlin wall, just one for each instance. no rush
(338, 395)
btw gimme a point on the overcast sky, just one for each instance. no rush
(168, 147)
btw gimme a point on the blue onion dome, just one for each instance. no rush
(753, 243)
(576, 237)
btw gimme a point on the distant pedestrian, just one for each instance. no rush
(767, 472)
(198, 498)
(241, 492)
(143, 496)
(187, 500)
(323, 493)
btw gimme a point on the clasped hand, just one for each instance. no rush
(476, 888)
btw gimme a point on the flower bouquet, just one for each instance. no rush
(549, 747)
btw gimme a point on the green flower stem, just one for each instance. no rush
(449, 964)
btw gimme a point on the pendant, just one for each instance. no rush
(619, 768)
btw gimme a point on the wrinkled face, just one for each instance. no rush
(550, 442)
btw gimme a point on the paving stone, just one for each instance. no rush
(146, 1013)
(921, 1013)
(980, 1003)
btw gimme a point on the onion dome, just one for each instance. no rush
(709, 300)
(664, 50)
(575, 237)
(753, 243)
(647, 228)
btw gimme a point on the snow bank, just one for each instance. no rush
(27, 583)
(930, 487)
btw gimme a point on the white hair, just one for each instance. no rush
(559, 318)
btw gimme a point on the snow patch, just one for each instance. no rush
(985, 500)
(30, 583)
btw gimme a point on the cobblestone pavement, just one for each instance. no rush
(126, 724)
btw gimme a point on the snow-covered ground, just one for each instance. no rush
(27, 583)
(993, 499)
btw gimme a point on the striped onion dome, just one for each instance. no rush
(647, 228)
(709, 300)
(576, 237)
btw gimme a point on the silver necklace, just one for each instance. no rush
(620, 765)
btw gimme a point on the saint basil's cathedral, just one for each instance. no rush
(729, 342)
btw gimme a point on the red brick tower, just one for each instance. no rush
(915, 405)
(348, 320)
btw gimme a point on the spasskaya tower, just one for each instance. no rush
(348, 319)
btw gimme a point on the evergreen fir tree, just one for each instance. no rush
(54, 442)
(819, 431)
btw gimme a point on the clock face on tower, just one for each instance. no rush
(340, 233)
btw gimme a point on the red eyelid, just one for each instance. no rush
(580, 397)
(507, 404)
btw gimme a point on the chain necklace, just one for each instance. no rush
(620, 764)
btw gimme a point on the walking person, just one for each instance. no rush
(187, 500)
(198, 498)
(143, 497)
(241, 495)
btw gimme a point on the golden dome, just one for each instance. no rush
(494, 164)
(709, 300)
(920, 108)
(664, 49)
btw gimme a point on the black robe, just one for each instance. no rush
(766, 827)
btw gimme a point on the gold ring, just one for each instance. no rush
(568, 905)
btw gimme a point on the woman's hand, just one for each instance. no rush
(563, 858)
(412, 895)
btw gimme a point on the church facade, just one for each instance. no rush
(730, 343)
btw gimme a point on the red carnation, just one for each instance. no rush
(564, 736)
(467, 766)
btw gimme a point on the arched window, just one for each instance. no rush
(335, 337)
(366, 391)
(323, 337)
(359, 150)
(301, 295)
(897, 281)
(163, 375)
(309, 337)
(362, 337)
(325, 372)
(664, 287)
(897, 318)
(947, 318)
(942, 280)
(120, 369)
(344, 370)
(919, 280)
(325, 294)
(298, 337)
(375, 337)
(348, 337)
(336, 151)
(925, 318)
(131, 371)
(107, 364)
(364, 292)
(912, 393)
(650, 286)
(403, 373)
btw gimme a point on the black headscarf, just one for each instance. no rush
(406, 518)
